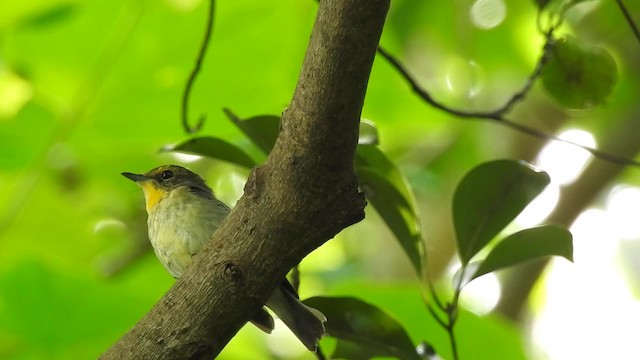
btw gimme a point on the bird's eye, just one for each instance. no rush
(166, 175)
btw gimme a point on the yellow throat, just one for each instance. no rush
(152, 194)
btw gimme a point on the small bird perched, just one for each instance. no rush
(183, 214)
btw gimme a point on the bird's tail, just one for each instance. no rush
(305, 322)
(263, 321)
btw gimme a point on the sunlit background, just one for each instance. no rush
(89, 89)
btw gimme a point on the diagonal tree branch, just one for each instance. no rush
(304, 194)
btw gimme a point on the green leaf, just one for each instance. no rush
(214, 148)
(369, 330)
(478, 337)
(395, 210)
(557, 8)
(467, 274)
(261, 130)
(577, 76)
(488, 198)
(371, 155)
(389, 193)
(526, 245)
(354, 351)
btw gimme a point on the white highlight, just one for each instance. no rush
(463, 78)
(184, 6)
(482, 294)
(589, 312)
(283, 344)
(15, 92)
(106, 224)
(565, 162)
(479, 296)
(623, 207)
(186, 158)
(540, 207)
(487, 14)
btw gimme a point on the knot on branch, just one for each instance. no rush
(255, 183)
(233, 271)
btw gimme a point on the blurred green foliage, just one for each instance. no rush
(89, 89)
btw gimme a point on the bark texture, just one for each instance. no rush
(304, 194)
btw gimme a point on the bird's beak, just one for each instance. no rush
(135, 177)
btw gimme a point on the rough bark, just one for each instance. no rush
(304, 194)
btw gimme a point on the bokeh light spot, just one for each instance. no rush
(487, 14)
(623, 207)
(565, 162)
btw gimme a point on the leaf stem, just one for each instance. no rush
(452, 341)
(450, 309)
(435, 297)
(435, 315)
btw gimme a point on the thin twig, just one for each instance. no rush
(602, 155)
(435, 315)
(498, 115)
(544, 58)
(627, 16)
(452, 341)
(434, 295)
(452, 312)
(194, 73)
(450, 309)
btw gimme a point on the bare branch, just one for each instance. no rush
(498, 115)
(629, 19)
(186, 95)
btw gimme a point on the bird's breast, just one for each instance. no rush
(178, 229)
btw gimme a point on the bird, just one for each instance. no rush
(183, 213)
